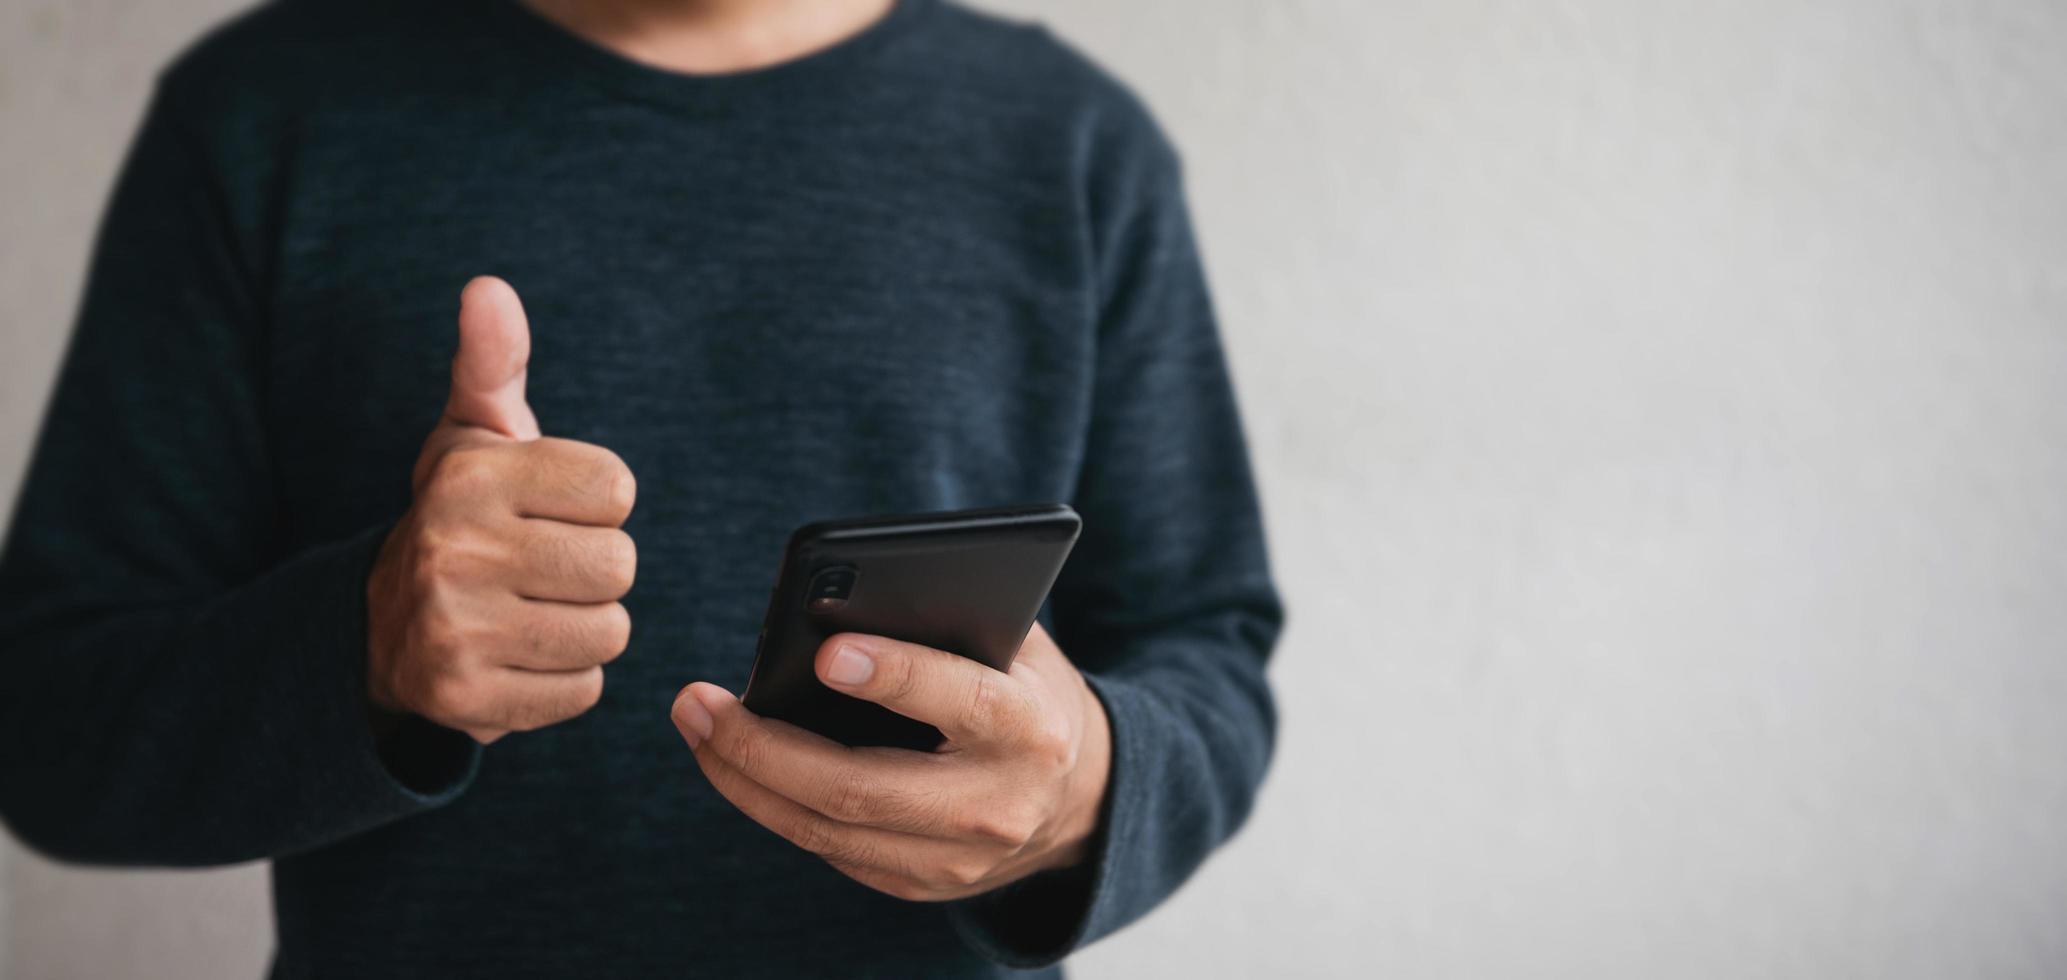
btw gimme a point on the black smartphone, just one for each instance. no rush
(969, 582)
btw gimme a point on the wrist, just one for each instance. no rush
(1084, 796)
(385, 605)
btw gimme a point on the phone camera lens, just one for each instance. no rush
(831, 587)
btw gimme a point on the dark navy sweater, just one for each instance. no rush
(945, 263)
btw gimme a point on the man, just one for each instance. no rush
(782, 261)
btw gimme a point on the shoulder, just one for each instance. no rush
(1039, 72)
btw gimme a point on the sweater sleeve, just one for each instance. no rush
(1167, 604)
(177, 689)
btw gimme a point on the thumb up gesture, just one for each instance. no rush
(493, 606)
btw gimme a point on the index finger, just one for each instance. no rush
(896, 789)
(574, 482)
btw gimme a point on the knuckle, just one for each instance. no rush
(440, 557)
(588, 691)
(910, 809)
(617, 629)
(854, 798)
(1051, 743)
(817, 837)
(595, 473)
(464, 472)
(962, 873)
(900, 681)
(845, 799)
(1011, 826)
(922, 892)
(745, 748)
(621, 561)
(986, 696)
(622, 488)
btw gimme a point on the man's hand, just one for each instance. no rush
(493, 604)
(1015, 790)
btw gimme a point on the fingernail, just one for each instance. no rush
(692, 718)
(849, 667)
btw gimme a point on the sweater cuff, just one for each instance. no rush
(1038, 920)
(360, 780)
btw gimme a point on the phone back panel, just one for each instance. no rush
(968, 582)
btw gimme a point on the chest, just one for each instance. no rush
(763, 320)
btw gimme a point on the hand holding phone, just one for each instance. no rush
(967, 582)
(1017, 789)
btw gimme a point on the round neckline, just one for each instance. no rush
(634, 78)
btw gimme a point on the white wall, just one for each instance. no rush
(1660, 407)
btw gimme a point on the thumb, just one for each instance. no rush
(488, 369)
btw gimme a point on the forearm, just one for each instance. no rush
(207, 730)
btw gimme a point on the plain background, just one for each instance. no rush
(1660, 413)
